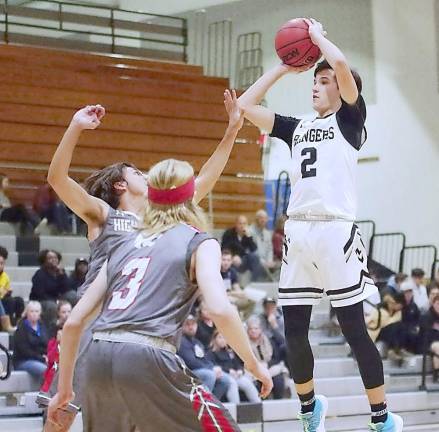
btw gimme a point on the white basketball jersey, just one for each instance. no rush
(324, 161)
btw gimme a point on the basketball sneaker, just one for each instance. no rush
(393, 423)
(315, 421)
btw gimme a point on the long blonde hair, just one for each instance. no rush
(169, 174)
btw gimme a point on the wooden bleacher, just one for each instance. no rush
(155, 110)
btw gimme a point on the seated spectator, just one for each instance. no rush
(63, 310)
(5, 321)
(15, 213)
(244, 249)
(385, 325)
(77, 276)
(278, 238)
(49, 284)
(235, 293)
(434, 282)
(194, 355)
(263, 238)
(394, 284)
(205, 327)
(265, 352)
(13, 306)
(430, 335)
(222, 355)
(419, 289)
(432, 293)
(411, 318)
(30, 342)
(272, 320)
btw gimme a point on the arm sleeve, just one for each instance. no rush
(350, 119)
(284, 127)
(249, 243)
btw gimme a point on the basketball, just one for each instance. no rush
(294, 46)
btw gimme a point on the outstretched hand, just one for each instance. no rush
(261, 373)
(89, 117)
(236, 114)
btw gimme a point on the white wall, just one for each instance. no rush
(393, 44)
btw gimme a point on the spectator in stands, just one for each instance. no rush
(13, 306)
(394, 283)
(205, 327)
(430, 335)
(267, 353)
(48, 206)
(49, 284)
(278, 238)
(419, 289)
(385, 325)
(15, 213)
(432, 293)
(272, 320)
(263, 239)
(411, 318)
(244, 249)
(63, 310)
(223, 356)
(30, 342)
(77, 276)
(235, 293)
(193, 353)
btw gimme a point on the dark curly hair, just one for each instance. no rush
(43, 255)
(4, 253)
(100, 184)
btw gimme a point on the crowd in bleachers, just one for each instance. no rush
(403, 321)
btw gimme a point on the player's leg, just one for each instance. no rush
(299, 290)
(103, 407)
(163, 395)
(343, 267)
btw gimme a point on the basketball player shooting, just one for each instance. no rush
(323, 250)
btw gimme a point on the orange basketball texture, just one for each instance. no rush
(294, 46)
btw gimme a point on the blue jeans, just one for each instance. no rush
(218, 386)
(34, 367)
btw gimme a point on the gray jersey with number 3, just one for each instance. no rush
(149, 289)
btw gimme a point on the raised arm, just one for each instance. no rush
(224, 315)
(250, 100)
(72, 330)
(87, 207)
(337, 60)
(213, 168)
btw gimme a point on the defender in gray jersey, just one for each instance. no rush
(120, 186)
(153, 279)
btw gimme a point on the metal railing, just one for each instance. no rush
(99, 28)
(422, 256)
(219, 49)
(249, 66)
(387, 249)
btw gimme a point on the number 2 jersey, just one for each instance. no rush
(149, 290)
(324, 162)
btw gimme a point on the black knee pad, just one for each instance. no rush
(299, 353)
(353, 326)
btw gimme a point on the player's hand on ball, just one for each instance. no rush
(315, 30)
(89, 117)
(261, 373)
(236, 114)
(60, 400)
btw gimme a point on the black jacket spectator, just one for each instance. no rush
(238, 246)
(411, 315)
(429, 328)
(193, 353)
(226, 359)
(28, 345)
(48, 286)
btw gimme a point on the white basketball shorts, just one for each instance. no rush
(324, 257)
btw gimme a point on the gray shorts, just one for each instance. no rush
(152, 386)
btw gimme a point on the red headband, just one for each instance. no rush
(176, 195)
